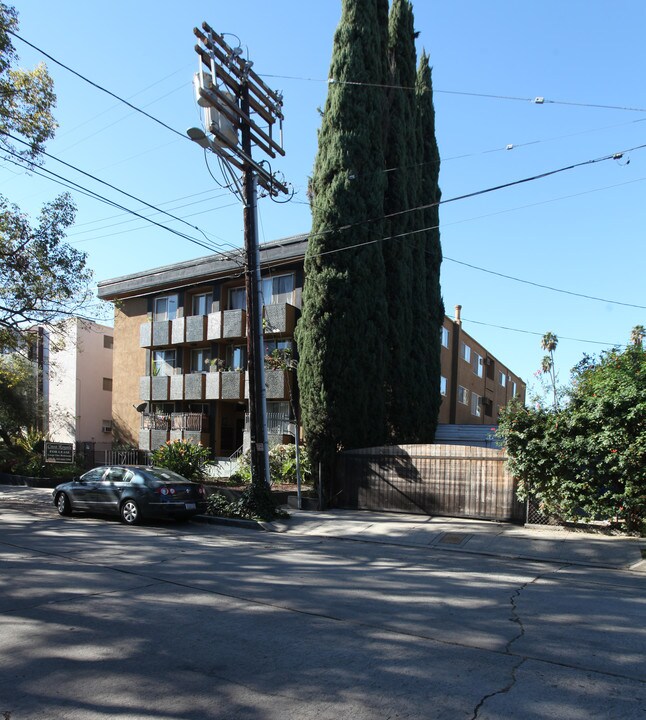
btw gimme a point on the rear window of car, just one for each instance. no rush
(163, 475)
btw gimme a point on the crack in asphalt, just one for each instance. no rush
(515, 618)
(502, 691)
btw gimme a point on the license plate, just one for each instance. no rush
(190, 506)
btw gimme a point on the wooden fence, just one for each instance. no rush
(449, 480)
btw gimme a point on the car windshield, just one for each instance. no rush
(163, 475)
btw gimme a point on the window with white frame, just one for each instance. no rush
(475, 404)
(463, 395)
(465, 352)
(237, 299)
(199, 360)
(163, 362)
(202, 304)
(165, 308)
(278, 290)
(478, 364)
(514, 389)
(444, 336)
(442, 385)
(502, 378)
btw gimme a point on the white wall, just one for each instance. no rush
(78, 404)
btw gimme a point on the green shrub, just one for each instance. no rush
(282, 466)
(183, 457)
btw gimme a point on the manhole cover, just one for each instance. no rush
(453, 538)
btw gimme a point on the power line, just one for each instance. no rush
(537, 100)
(97, 86)
(539, 334)
(113, 187)
(476, 193)
(70, 184)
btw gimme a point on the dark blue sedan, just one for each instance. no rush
(132, 492)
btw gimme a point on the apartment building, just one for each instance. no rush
(180, 350)
(74, 382)
(474, 384)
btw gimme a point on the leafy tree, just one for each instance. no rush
(587, 459)
(18, 402)
(26, 98)
(341, 332)
(42, 279)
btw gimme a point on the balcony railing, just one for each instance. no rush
(279, 319)
(195, 422)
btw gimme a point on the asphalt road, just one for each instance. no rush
(98, 620)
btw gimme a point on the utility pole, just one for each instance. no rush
(240, 113)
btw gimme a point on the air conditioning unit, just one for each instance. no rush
(107, 426)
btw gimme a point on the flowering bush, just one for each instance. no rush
(183, 457)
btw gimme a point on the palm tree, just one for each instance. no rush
(549, 341)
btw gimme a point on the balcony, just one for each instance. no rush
(226, 325)
(279, 319)
(156, 387)
(277, 384)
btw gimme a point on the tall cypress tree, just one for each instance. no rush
(429, 194)
(341, 331)
(400, 249)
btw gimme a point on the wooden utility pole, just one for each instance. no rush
(242, 112)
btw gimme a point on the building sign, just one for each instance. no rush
(59, 452)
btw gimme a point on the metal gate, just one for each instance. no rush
(450, 480)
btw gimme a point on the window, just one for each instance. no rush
(463, 395)
(442, 385)
(106, 426)
(514, 389)
(478, 364)
(237, 357)
(271, 345)
(199, 360)
(108, 342)
(502, 378)
(237, 299)
(475, 404)
(465, 352)
(165, 308)
(107, 384)
(278, 418)
(444, 337)
(163, 362)
(202, 304)
(277, 290)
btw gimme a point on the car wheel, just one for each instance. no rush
(130, 512)
(63, 504)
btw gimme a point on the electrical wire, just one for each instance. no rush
(539, 334)
(113, 187)
(97, 86)
(537, 100)
(66, 182)
(465, 196)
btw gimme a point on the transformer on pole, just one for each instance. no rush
(240, 113)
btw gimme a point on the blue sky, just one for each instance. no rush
(580, 231)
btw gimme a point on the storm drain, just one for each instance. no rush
(453, 539)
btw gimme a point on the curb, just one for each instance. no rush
(229, 522)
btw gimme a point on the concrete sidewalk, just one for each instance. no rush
(559, 545)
